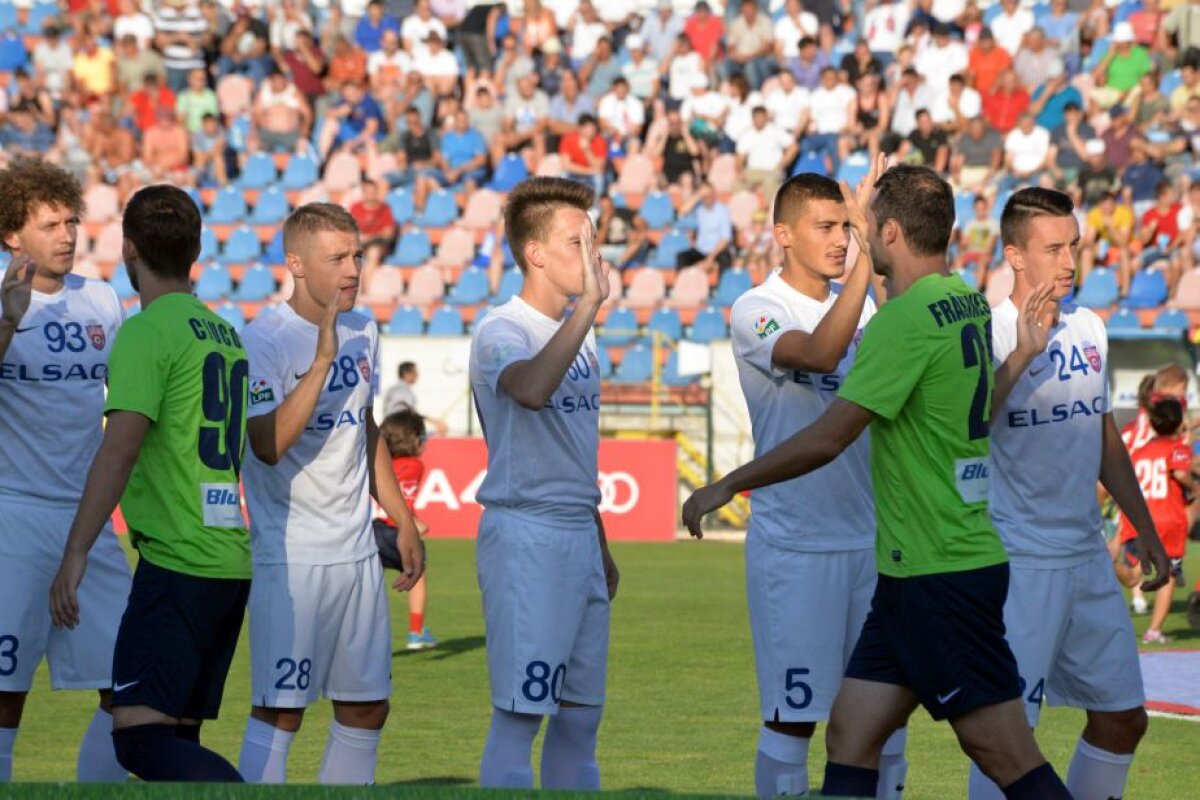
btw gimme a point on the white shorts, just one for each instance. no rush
(319, 630)
(32, 538)
(806, 612)
(1073, 638)
(546, 609)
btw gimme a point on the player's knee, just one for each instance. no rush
(12, 704)
(141, 748)
(799, 730)
(368, 716)
(287, 720)
(1116, 731)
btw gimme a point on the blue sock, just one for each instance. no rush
(156, 753)
(843, 780)
(1040, 783)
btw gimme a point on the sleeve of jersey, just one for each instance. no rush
(889, 363)
(137, 372)
(500, 345)
(375, 362)
(266, 385)
(756, 329)
(1181, 458)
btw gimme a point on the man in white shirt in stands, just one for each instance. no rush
(763, 152)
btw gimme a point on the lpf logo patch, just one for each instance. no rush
(260, 392)
(96, 336)
(764, 326)
(364, 368)
(1092, 354)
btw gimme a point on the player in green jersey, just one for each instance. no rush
(171, 453)
(923, 382)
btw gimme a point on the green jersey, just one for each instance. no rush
(184, 368)
(924, 368)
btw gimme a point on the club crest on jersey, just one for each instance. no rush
(764, 326)
(364, 368)
(95, 334)
(1093, 356)
(261, 392)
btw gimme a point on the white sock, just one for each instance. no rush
(893, 768)
(350, 756)
(97, 761)
(264, 753)
(1096, 774)
(507, 762)
(569, 751)
(981, 787)
(8, 737)
(780, 765)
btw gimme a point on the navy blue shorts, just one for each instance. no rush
(176, 641)
(942, 636)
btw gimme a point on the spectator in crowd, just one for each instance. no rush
(705, 31)
(1034, 61)
(135, 62)
(1158, 233)
(282, 115)
(130, 20)
(685, 70)
(884, 28)
(861, 61)
(959, 105)
(1050, 99)
(660, 31)
(388, 66)
(600, 69)
(196, 101)
(53, 61)
(1118, 137)
(246, 47)
(303, 65)
(538, 26)
(977, 156)
(1106, 239)
(355, 122)
(165, 148)
(1097, 178)
(679, 151)
(1179, 35)
(485, 115)
(368, 33)
(621, 115)
(1122, 67)
(986, 62)
(550, 67)
(94, 69)
(788, 106)
(763, 153)
(1140, 180)
(751, 44)
(402, 395)
(513, 63)
(525, 123)
(808, 64)
(794, 24)
(1007, 102)
(621, 233)
(941, 58)
(464, 154)
(977, 239)
(208, 153)
(418, 153)
(179, 32)
(142, 106)
(1060, 24)
(1027, 153)
(927, 144)
(438, 65)
(640, 70)
(348, 64)
(377, 227)
(1011, 25)
(567, 107)
(584, 154)
(714, 232)
(587, 29)
(1070, 144)
(910, 96)
(416, 29)
(831, 121)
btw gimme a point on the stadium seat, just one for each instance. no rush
(412, 250)
(242, 247)
(425, 286)
(620, 328)
(733, 284)
(810, 161)
(1148, 290)
(657, 211)
(457, 248)
(669, 247)
(636, 177)
(13, 54)
(509, 260)
(550, 166)
(690, 289)
(723, 173)
(210, 248)
(480, 313)
(235, 95)
(647, 289)
(1125, 324)
(259, 172)
(121, 284)
(1099, 289)
(964, 209)
(509, 172)
(1187, 293)
(101, 203)
(232, 314)
(440, 210)
(274, 253)
(670, 373)
(708, 326)
(1170, 82)
(228, 207)
(406, 321)
(854, 168)
(636, 365)
(511, 283)
(257, 284)
(400, 201)
(604, 361)
(970, 276)
(470, 289)
(300, 173)
(483, 210)
(1172, 319)
(214, 283)
(342, 172)
(39, 14)
(741, 209)
(666, 321)
(8, 17)
(385, 285)
(446, 321)
(271, 208)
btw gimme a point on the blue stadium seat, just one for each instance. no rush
(258, 283)
(228, 207)
(810, 161)
(506, 250)
(732, 285)
(666, 321)
(275, 254)
(1099, 289)
(406, 321)
(854, 168)
(470, 289)
(964, 208)
(708, 326)
(1173, 319)
(400, 201)
(620, 328)
(509, 173)
(413, 249)
(242, 247)
(1125, 324)
(991, 12)
(688, 222)
(271, 209)
(39, 15)
(511, 283)
(446, 321)
(121, 284)
(239, 132)
(13, 54)
(8, 17)
(605, 362)
(232, 314)
(1149, 289)
(210, 248)
(301, 172)
(1125, 10)
(998, 204)
(1170, 82)
(670, 246)
(657, 211)
(636, 366)
(440, 210)
(1099, 50)
(480, 313)
(670, 373)
(259, 172)
(215, 283)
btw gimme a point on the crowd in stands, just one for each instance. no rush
(685, 116)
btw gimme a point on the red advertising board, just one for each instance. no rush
(637, 488)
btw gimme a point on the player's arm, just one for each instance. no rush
(272, 434)
(106, 480)
(1034, 321)
(387, 493)
(15, 294)
(808, 450)
(612, 576)
(1118, 477)
(533, 382)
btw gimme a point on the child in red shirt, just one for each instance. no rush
(404, 433)
(1163, 467)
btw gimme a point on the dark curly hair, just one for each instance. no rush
(29, 182)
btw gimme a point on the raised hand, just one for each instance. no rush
(1035, 318)
(17, 289)
(595, 271)
(704, 501)
(327, 336)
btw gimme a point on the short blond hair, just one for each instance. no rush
(313, 218)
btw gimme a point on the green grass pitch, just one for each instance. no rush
(681, 714)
